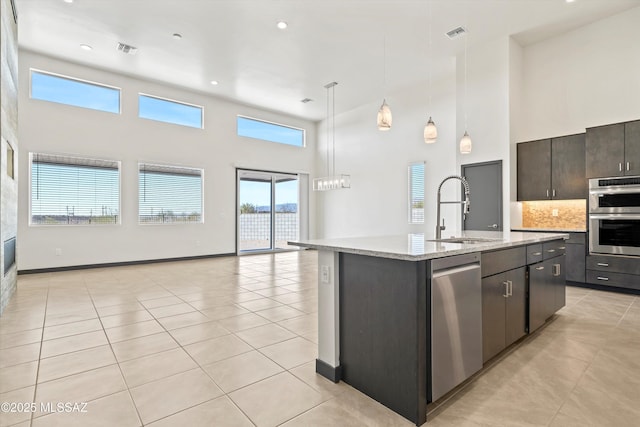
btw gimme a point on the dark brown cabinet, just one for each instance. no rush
(504, 302)
(552, 169)
(613, 150)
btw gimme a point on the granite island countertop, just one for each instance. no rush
(417, 247)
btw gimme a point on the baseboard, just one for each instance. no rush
(604, 288)
(120, 264)
(328, 371)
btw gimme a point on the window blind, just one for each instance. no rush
(72, 191)
(416, 193)
(169, 194)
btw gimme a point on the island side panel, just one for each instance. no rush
(383, 331)
(328, 362)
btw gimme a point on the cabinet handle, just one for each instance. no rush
(537, 253)
(602, 278)
(510, 287)
(602, 264)
(540, 268)
(551, 250)
(554, 192)
(620, 167)
(628, 164)
(556, 269)
(506, 289)
(562, 248)
(547, 193)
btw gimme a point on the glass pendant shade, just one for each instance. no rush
(465, 143)
(430, 132)
(384, 116)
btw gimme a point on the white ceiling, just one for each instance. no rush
(237, 43)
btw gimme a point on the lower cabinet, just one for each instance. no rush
(617, 271)
(576, 257)
(504, 311)
(546, 290)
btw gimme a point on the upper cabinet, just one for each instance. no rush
(613, 150)
(552, 169)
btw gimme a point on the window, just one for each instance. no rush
(164, 110)
(66, 90)
(416, 193)
(71, 191)
(169, 194)
(258, 129)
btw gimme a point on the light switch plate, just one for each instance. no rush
(324, 273)
(554, 212)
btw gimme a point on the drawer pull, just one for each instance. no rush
(602, 264)
(537, 253)
(551, 250)
(562, 248)
(602, 278)
(540, 268)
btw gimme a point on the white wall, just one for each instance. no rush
(587, 77)
(487, 109)
(376, 203)
(55, 128)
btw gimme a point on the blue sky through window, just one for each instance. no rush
(48, 87)
(272, 132)
(258, 193)
(164, 110)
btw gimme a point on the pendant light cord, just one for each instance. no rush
(429, 55)
(328, 170)
(333, 126)
(384, 67)
(466, 103)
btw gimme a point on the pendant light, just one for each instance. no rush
(465, 141)
(430, 133)
(331, 181)
(384, 113)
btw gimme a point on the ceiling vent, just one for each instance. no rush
(125, 48)
(304, 101)
(456, 32)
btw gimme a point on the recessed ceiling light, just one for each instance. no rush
(68, 1)
(177, 36)
(282, 25)
(85, 46)
(214, 82)
(570, 1)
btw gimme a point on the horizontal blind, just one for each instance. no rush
(72, 190)
(416, 193)
(169, 194)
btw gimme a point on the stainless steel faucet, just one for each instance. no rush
(466, 203)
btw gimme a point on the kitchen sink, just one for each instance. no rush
(465, 240)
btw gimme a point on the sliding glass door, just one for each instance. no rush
(268, 210)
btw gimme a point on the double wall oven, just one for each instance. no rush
(614, 216)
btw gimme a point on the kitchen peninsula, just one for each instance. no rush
(405, 319)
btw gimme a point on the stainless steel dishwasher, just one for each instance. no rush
(456, 321)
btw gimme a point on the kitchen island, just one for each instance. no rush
(380, 326)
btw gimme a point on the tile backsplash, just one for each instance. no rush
(552, 214)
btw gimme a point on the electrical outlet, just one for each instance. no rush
(58, 251)
(554, 212)
(324, 274)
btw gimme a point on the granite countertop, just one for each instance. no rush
(417, 247)
(550, 230)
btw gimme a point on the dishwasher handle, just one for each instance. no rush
(454, 270)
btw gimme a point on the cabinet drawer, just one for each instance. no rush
(615, 264)
(553, 249)
(534, 253)
(577, 238)
(613, 279)
(506, 259)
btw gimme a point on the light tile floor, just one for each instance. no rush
(232, 342)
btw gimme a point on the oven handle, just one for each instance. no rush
(614, 216)
(615, 190)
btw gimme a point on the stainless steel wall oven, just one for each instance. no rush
(614, 216)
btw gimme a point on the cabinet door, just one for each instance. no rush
(534, 170)
(494, 291)
(516, 311)
(632, 147)
(541, 294)
(568, 180)
(605, 151)
(575, 262)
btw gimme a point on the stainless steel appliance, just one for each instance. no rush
(614, 216)
(456, 321)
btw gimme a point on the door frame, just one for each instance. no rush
(300, 212)
(501, 210)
